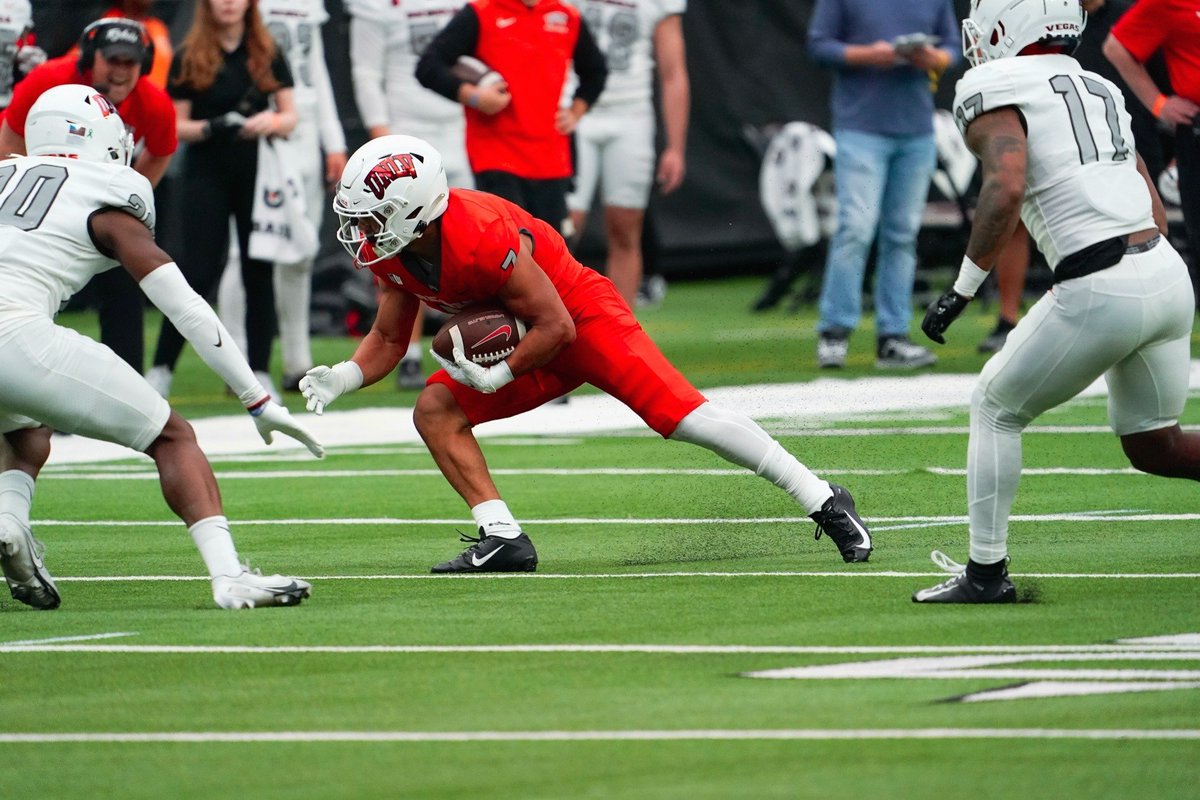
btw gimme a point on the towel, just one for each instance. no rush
(281, 231)
(790, 188)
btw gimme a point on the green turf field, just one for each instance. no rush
(626, 667)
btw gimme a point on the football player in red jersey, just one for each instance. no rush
(454, 248)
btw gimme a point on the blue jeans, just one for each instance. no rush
(882, 185)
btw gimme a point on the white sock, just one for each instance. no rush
(231, 294)
(739, 439)
(16, 494)
(293, 297)
(993, 472)
(215, 544)
(495, 519)
(414, 352)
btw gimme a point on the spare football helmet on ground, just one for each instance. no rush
(389, 192)
(1002, 28)
(76, 121)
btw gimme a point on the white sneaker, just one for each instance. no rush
(897, 352)
(21, 558)
(159, 379)
(832, 351)
(264, 378)
(252, 589)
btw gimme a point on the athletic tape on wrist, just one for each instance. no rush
(970, 278)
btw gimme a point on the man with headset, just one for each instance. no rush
(114, 56)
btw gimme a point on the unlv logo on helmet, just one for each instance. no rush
(389, 168)
(103, 104)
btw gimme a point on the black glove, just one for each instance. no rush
(941, 313)
(223, 128)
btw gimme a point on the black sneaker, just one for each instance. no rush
(994, 341)
(492, 554)
(963, 588)
(291, 383)
(838, 520)
(897, 352)
(409, 375)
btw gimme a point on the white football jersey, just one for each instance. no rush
(15, 20)
(624, 32)
(386, 41)
(46, 249)
(1082, 182)
(295, 26)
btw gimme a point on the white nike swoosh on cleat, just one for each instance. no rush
(476, 561)
(941, 588)
(863, 531)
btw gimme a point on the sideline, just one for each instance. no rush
(812, 403)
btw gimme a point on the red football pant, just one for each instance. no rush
(610, 352)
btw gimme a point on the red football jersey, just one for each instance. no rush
(148, 112)
(480, 242)
(1172, 26)
(532, 48)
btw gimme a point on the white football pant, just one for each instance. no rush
(1131, 323)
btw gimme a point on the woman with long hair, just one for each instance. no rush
(231, 86)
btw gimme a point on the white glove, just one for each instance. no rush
(28, 57)
(270, 417)
(485, 379)
(322, 385)
(451, 368)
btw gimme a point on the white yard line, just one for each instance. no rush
(531, 576)
(903, 522)
(796, 734)
(813, 404)
(60, 639)
(1101, 652)
(322, 474)
(133, 473)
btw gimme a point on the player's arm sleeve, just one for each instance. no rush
(458, 38)
(590, 66)
(368, 43)
(333, 139)
(979, 91)
(198, 323)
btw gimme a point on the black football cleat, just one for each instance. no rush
(838, 520)
(492, 554)
(964, 588)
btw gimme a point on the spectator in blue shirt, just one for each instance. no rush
(883, 126)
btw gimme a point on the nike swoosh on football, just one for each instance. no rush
(503, 330)
(476, 561)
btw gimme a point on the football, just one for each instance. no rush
(475, 72)
(486, 335)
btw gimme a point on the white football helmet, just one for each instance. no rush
(1001, 28)
(391, 189)
(76, 121)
